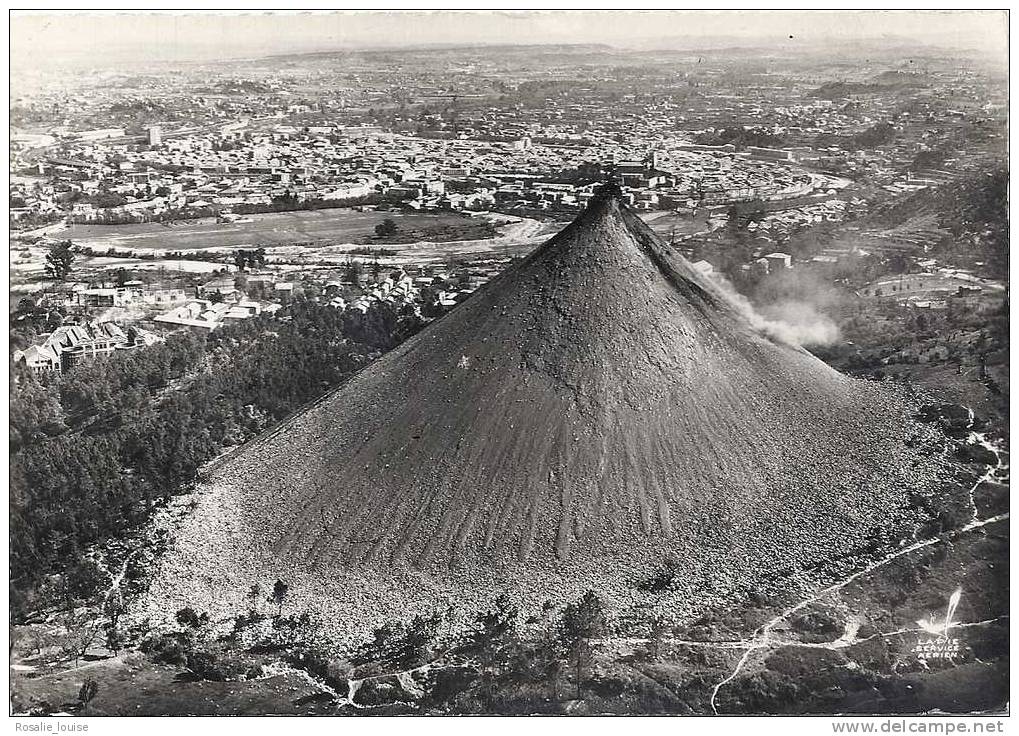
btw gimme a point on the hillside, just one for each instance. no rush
(593, 414)
(972, 211)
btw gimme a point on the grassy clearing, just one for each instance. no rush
(313, 227)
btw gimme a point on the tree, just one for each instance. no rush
(189, 618)
(249, 258)
(659, 629)
(82, 630)
(69, 489)
(495, 636)
(83, 580)
(87, 692)
(289, 631)
(114, 639)
(106, 200)
(898, 263)
(59, 260)
(405, 645)
(352, 271)
(254, 596)
(386, 227)
(114, 606)
(279, 594)
(581, 623)
(26, 304)
(35, 413)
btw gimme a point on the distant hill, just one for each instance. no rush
(880, 83)
(901, 78)
(503, 49)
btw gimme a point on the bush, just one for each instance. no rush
(215, 666)
(386, 227)
(446, 685)
(661, 582)
(400, 644)
(818, 626)
(170, 648)
(189, 618)
(605, 687)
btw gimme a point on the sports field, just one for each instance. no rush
(314, 228)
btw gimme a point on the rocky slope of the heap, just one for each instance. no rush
(597, 411)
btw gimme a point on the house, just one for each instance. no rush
(39, 358)
(779, 260)
(102, 339)
(70, 345)
(203, 314)
(224, 286)
(193, 314)
(243, 310)
(110, 297)
(704, 268)
(163, 296)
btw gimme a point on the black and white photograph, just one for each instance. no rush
(582, 363)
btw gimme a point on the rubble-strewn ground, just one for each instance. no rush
(847, 649)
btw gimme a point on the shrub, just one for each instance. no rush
(89, 689)
(661, 582)
(400, 644)
(169, 648)
(206, 664)
(189, 619)
(386, 227)
(606, 687)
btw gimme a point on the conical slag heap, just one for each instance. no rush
(597, 410)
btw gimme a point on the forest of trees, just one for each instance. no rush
(95, 450)
(879, 134)
(742, 137)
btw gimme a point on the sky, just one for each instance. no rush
(90, 39)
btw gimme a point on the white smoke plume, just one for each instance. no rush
(796, 322)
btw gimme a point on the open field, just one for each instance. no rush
(671, 224)
(927, 285)
(169, 264)
(314, 228)
(332, 227)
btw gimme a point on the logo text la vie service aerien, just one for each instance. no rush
(941, 644)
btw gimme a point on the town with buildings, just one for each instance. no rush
(477, 141)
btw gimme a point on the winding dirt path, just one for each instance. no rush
(762, 637)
